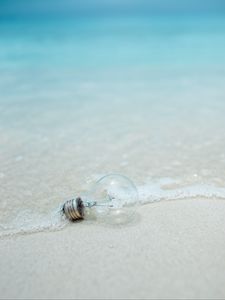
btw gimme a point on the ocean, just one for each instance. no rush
(81, 97)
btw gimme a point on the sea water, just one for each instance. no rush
(81, 97)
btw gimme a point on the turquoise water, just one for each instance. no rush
(98, 42)
(82, 97)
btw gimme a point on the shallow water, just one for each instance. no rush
(140, 96)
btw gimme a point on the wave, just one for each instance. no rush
(164, 189)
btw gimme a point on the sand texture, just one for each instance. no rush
(174, 250)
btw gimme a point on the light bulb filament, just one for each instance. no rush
(92, 204)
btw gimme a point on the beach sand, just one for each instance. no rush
(139, 96)
(175, 249)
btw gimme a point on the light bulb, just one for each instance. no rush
(110, 199)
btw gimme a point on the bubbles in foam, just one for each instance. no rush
(168, 189)
(28, 223)
(163, 189)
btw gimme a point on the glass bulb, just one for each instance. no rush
(112, 199)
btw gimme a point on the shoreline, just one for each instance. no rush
(175, 250)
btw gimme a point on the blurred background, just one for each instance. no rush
(92, 33)
(98, 7)
(93, 87)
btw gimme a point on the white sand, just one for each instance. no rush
(175, 250)
(84, 98)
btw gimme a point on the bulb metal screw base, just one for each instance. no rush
(74, 209)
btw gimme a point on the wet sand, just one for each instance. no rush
(173, 250)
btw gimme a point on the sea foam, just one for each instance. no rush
(163, 189)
